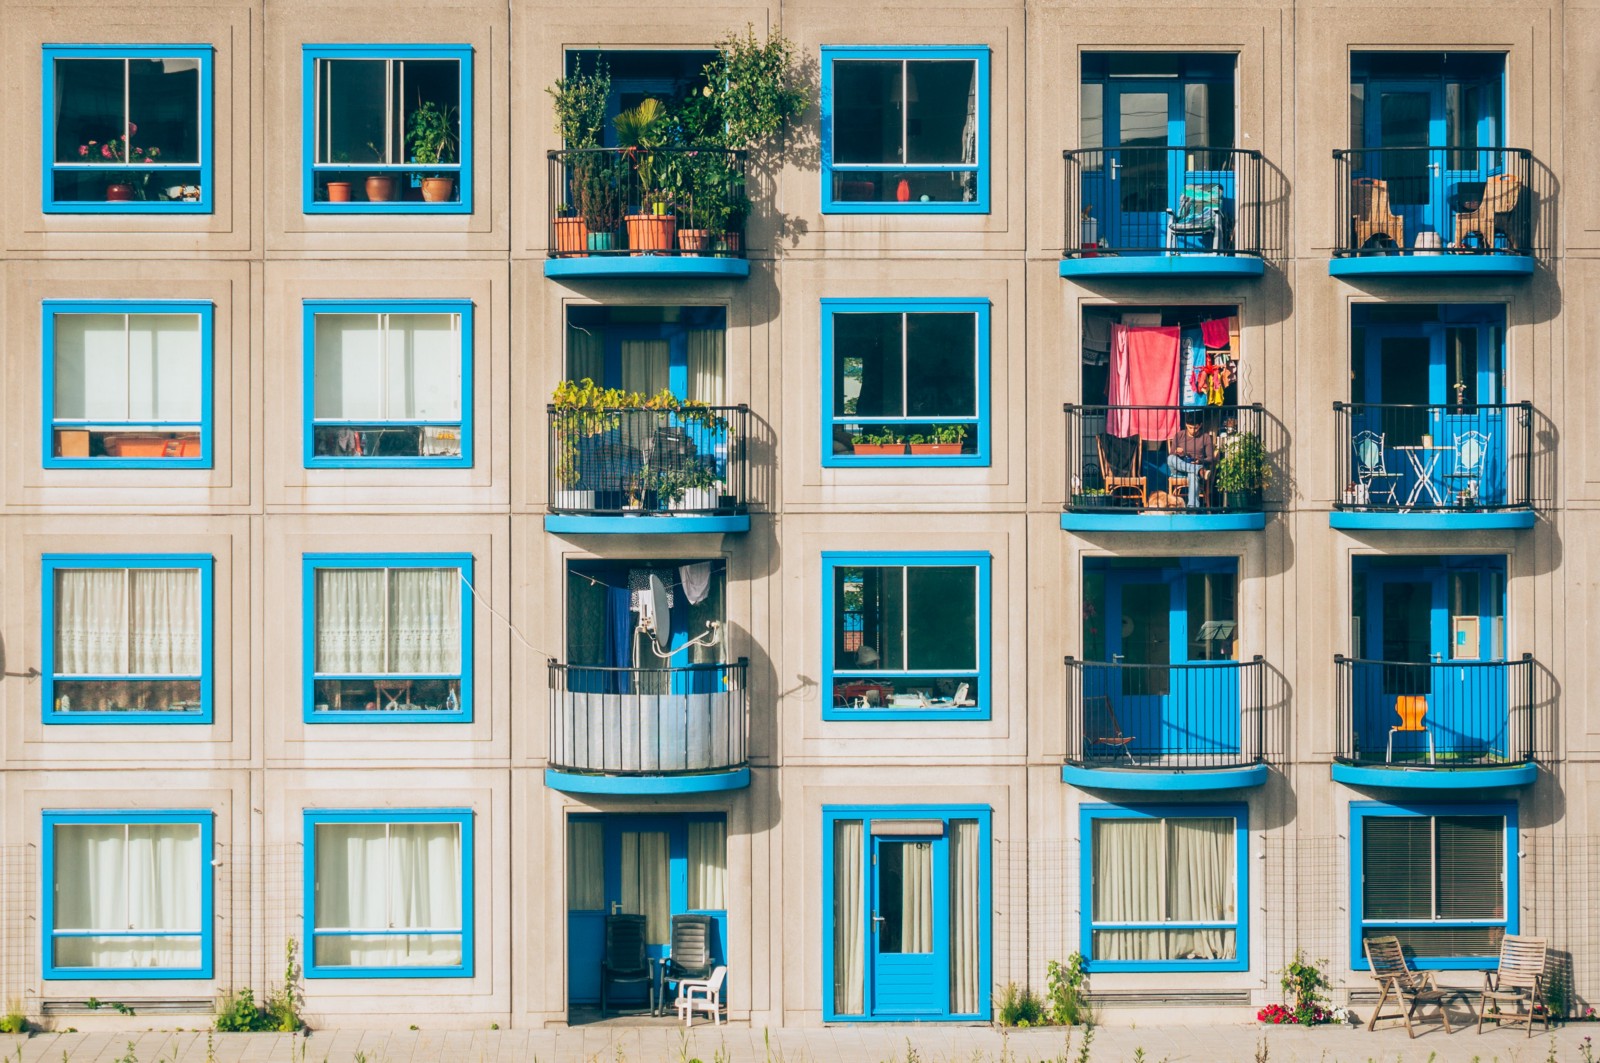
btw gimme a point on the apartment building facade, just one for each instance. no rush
(1122, 492)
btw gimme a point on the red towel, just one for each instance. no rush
(1144, 372)
(1214, 334)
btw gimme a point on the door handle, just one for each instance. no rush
(1115, 166)
(876, 919)
(1433, 167)
(616, 907)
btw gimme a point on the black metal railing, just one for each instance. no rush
(1441, 714)
(1208, 714)
(1146, 458)
(666, 201)
(1452, 458)
(616, 461)
(648, 721)
(1431, 201)
(1160, 200)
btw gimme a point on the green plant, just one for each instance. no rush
(641, 131)
(753, 88)
(949, 433)
(1019, 1006)
(1304, 983)
(283, 1003)
(14, 1021)
(885, 437)
(430, 136)
(237, 1012)
(597, 183)
(128, 1057)
(1066, 990)
(1243, 465)
(583, 410)
(580, 105)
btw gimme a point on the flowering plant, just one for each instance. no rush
(116, 150)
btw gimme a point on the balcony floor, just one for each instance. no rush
(1432, 520)
(705, 783)
(1415, 776)
(645, 266)
(1163, 778)
(1431, 265)
(1112, 266)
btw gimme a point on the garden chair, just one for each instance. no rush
(701, 995)
(1200, 213)
(1468, 456)
(690, 959)
(1518, 982)
(1411, 708)
(1101, 727)
(624, 961)
(1500, 194)
(1371, 470)
(1371, 217)
(1412, 989)
(1119, 467)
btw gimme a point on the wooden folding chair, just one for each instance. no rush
(1120, 470)
(1101, 727)
(1518, 982)
(1412, 989)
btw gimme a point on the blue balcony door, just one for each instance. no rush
(627, 864)
(910, 947)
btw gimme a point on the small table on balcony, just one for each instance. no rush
(1424, 460)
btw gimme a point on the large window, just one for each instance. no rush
(388, 384)
(128, 129)
(127, 384)
(389, 894)
(127, 895)
(906, 635)
(388, 129)
(1441, 879)
(1165, 888)
(907, 382)
(905, 129)
(388, 638)
(127, 639)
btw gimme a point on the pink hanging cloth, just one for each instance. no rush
(1144, 372)
(1214, 334)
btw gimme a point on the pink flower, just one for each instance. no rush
(153, 152)
(105, 151)
(83, 149)
(132, 129)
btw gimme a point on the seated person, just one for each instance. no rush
(1190, 454)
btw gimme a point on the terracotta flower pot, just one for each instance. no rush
(879, 448)
(437, 189)
(651, 232)
(119, 192)
(338, 191)
(380, 188)
(572, 236)
(935, 448)
(730, 243)
(694, 242)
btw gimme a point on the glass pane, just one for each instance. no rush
(164, 366)
(91, 367)
(1471, 867)
(874, 641)
(424, 621)
(1200, 870)
(435, 81)
(941, 112)
(350, 618)
(164, 110)
(422, 368)
(1446, 941)
(126, 952)
(352, 862)
(905, 897)
(91, 636)
(1091, 116)
(164, 621)
(1164, 944)
(905, 186)
(867, 365)
(1212, 625)
(1143, 157)
(708, 865)
(424, 876)
(586, 882)
(867, 111)
(164, 876)
(1461, 351)
(1403, 123)
(352, 111)
(349, 367)
(1407, 609)
(941, 356)
(90, 877)
(1146, 627)
(1127, 871)
(1208, 120)
(388, 950)
(1397, 867)
(941, 618)
(89, 108)
(849, 953)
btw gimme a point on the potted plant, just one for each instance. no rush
(1242, 471)
(942, 439)
(641, 132)
(1091, 498)
(431, 139)
(580, 114)
(1088, 231)
(700, 486)
(877, 443)
(380, 186)
(597, 182)
(117, 152)
(582, 410)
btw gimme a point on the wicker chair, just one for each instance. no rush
(1499, 201)
(1370, 214)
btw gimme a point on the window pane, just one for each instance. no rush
(941, 353)
(941, 618)
(91, 885)
(1471, 867)
(88, 107)
(1091, 119)
(164, 368)
(1446, 941)
(586, 880)
(164, 621)
(866, 111)
(867, 365)
(121, 877)
(1200, 870)
(905, 897)
(352, 111)
(352, 862)
(91, 621)
(423, 378)
(424, 621)
(436, 81)
(849, 917)
(875, 593)
(884, 186)
(163, 106)
(1211, 616)
(349, 365)
(350, 621)
(425, 876)
(1164, 944)
(941, 115)
(91, 367)
(122, 952)
(1127, 862)
(1397, 867)
(164, 868)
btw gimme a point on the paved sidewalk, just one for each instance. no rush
(838, 1044)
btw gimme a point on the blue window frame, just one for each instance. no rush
(388, 384)
(126, 638)
(415, 923)
(884, 960)
(1128, 926)
(1442, 878)
(128, 129)
(916, 370)
(359, 105)
(127, 895)
(387, 638)
(905, 130)
(906, 636)
(127, 384)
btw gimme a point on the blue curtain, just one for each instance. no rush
(619, 632)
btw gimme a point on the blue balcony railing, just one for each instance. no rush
(1457, 458)
(1163, 201)
(1442, 714)
(1207, 714)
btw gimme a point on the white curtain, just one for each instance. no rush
(128, 367)
(349, 617)
(387, 367)
(707, 361)
(1200, 886)
(966, 856)
(586, 881)
(383, 878)
(122, 877)
(586, 358)
(127, 622)
(645, 366)
(1164, 871)
(1127, 887)
(916, 896)
(849, 890)
(388, 621)
(646, 882)
(708, 866)
(425, 620)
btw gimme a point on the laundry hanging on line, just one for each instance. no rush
(1144, 372)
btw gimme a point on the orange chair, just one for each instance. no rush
(1411, 708)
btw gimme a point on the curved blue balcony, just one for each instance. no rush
(648, 730)
(1443, 725)
(1161, 728)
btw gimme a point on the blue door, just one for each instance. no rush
(1407, 119)
(910, 950)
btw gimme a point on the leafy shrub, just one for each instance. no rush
(239, 1013)
(1065, 993)
(1020, 1007)
(14, 1021)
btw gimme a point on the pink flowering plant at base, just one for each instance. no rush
(1303, 983)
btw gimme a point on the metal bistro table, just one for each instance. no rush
(1425, 461)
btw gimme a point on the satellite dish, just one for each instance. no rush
(660, 608)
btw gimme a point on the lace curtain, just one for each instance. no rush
(388, 621)
(115, 621)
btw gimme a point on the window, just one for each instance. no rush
(388, 638)
(906, 382)
(905, 129)
(127, 895)
(127, 638)
(389, 894)
(127, 385)
(906, 636)
(129, 129)
(388, 385)
(388, 129)
(1165, 888)
(1443, 879)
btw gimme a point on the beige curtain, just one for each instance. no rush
(849, 956)
(644, 366)
(707, 366)
(966, 856)
(646, 882)
(916, 897)
(586, 880)
(708, 866)
(1127, 887)
(1164, 871)
(1200, 887)
(120, 877)
(586, 357)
